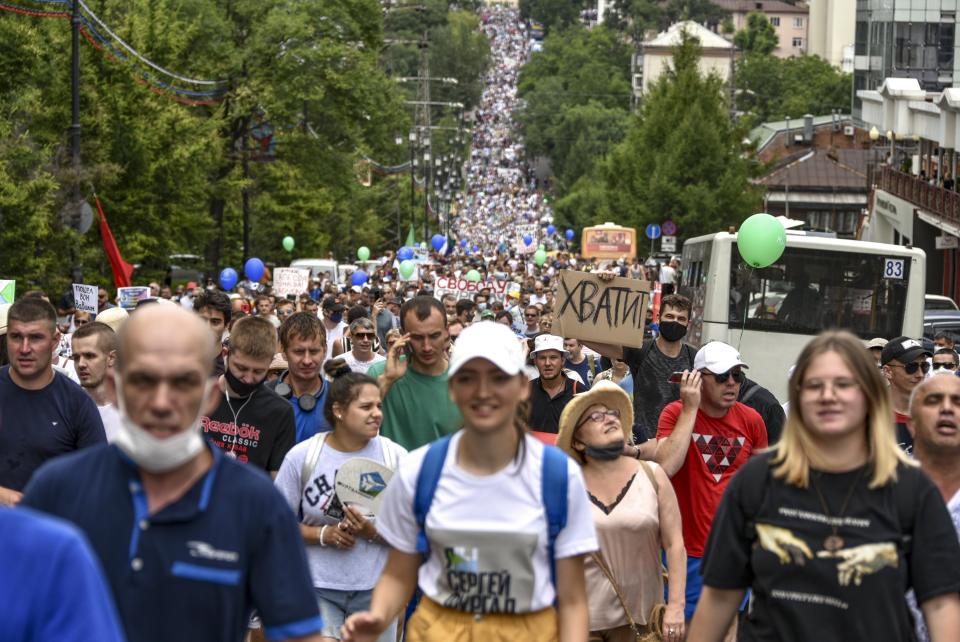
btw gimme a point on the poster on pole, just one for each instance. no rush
(287, 281)
(591, 309)
(128, 298)
(8, 289)
(85, 298)
(464, 289)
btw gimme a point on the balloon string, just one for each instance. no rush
(746, 307)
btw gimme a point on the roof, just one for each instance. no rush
(764, 6)
(764, 133)
(902, 87)
(819, 169)
(671, 37)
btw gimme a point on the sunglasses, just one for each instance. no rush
(360, 336)
(911, 368)
(945, 366)
(599, 415)
(738, 376)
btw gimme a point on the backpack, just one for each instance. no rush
(553, 482)
(391, 455)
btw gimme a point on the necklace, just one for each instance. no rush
(236, 422)
(834, 542)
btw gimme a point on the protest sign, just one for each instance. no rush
(293, 281)
(131, 296)
(464, 289)
(7, 290)
(612, 311)
(85, 298)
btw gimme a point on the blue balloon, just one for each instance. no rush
(476, 249)
(253, 268)
(228, 278)
(569, 234)
(527, 239)
(405, 253)
(551, 230)
(438, 241)
(463, 242)
(359, 278)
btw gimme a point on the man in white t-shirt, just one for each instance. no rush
(94, 351)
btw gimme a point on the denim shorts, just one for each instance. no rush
(336, 606)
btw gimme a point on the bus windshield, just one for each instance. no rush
(808, 290)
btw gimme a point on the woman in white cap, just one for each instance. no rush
(636, 514)
(491, 524)
(832, 526)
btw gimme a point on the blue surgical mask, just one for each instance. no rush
(336, 318)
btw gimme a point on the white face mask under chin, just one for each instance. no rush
(158, 455)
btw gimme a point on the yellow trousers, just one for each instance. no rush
(434, 623)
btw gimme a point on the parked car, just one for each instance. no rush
(318, 266)
(936, 321)
(937, 302)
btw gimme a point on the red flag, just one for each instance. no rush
(122, 271)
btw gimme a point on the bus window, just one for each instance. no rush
(808, 290)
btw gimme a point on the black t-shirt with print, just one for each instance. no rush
(803, 592)
(266, 428)
(652, 390)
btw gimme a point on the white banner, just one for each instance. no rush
(85, 298)
(293, 281)
(464, 289)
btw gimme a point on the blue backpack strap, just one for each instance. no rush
(554, 490)
(427, 480)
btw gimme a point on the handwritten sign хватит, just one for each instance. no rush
(590, 309)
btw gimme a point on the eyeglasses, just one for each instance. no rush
(599, 415)
(945, 366)
(816, 387)
(911, 368)
(738, 376)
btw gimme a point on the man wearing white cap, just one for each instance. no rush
(553, 389)
(702, 440)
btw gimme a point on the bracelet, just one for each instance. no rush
(323, 528)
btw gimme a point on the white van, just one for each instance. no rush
(318, 266)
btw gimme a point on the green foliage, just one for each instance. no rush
(170, 175)
(553, 14)
(635, 18)
(773, 88)
(759, 36)
(681, 159)
(577, 94)
(458, 50)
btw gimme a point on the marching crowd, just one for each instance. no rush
(396, 460)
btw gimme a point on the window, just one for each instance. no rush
(775, 21)
(798, 43)
(808, 290)
(798, 23)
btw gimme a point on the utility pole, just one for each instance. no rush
(74, 210)
(422, 120)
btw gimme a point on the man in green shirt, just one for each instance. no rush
(416, 405)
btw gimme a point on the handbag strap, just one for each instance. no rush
(616, 589)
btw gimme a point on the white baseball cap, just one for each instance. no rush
(494, 342)
(545, 342)
(718, 357)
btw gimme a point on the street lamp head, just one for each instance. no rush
(426, 157)
(399, 139)
(874, 133)
(413, 136)
(890, 134)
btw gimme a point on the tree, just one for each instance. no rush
(553, 14)
(759, 36)
(774, 88)
(459, 50)
(682, 157)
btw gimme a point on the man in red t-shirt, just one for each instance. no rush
(702, 440)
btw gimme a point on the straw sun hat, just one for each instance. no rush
(603, 392)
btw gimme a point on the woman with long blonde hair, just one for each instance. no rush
(833, 525)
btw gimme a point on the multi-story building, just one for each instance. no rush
(905, 39)
(656, 55)
(791, 22)
(831, 31)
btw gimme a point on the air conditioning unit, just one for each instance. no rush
(848, 130)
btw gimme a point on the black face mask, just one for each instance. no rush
(672, 331)
(239, 387)
(606, 453)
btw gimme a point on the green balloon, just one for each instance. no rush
(540, 257)
(406, 267)
(474, 276)
(761, 240)
(288, 243)
(541, 248)
(363, 253)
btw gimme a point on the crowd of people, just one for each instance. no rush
(400, 460)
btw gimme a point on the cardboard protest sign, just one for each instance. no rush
(612, 311)
(85, 298)
(293, 281)
(131, 296)
(7, 290)
(464, 289)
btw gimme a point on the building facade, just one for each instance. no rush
(831, 31)
(791, 22)
(656, 55)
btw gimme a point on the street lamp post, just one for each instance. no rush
(413, 173)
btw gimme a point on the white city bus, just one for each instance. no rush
(871, 289)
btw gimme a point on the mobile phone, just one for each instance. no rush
(675, 377)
